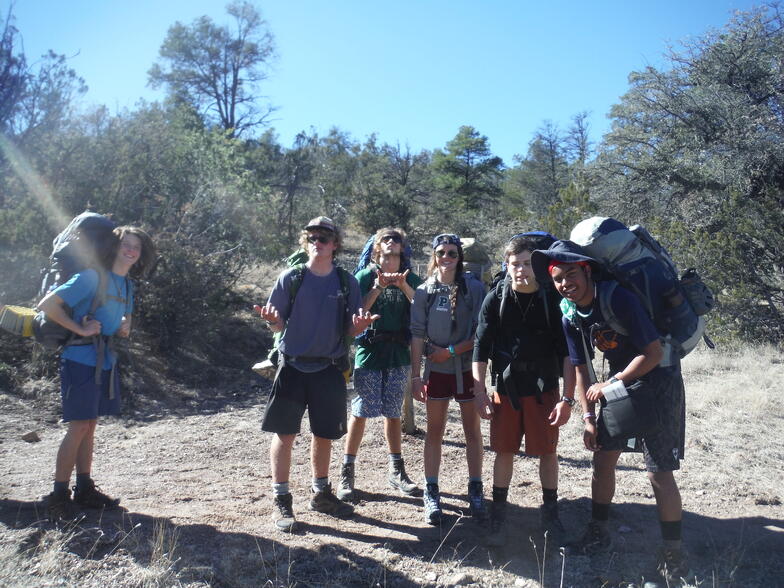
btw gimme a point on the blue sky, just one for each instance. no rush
(412, 72)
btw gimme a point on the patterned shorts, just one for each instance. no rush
(379, 392)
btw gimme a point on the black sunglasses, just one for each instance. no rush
(452, 254)
(393, 238)
(320, 238)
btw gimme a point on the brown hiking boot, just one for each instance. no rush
(59, 506)
(327, 503)
(92, 497)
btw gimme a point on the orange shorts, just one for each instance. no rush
(508, 425)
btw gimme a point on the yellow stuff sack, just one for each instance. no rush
(17, 320)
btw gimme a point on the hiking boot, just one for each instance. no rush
(346, 484)
(92, 497)
(398, 479)
(326, 502)
(476, 500)
(596, 539)
(285, 520)
(496, 535)
(673, 569)
(550, 523)
(432, 502)
(59, 506)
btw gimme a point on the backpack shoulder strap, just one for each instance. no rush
(543, 296)
(605, 291)
(505, 286)
(100, 294)
(297, 275)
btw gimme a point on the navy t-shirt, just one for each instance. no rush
(618, 349)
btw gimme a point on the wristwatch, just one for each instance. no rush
(567, 400)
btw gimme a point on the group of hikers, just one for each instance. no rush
(535, 329)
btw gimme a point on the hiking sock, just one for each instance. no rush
(348, 458)
(549, 495)
(393, 457)
(671, 534)
(431, 479)
(83, 481)
(320, 484)
(500, 494)
(474, 479)
(280, 488)
(61, 487)
(600, 513)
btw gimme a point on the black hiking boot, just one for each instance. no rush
(327, 503)
(60, 507)
(476, 500)
(398, 479)
(595, 540)
(550, 523)
(346, 484)
(432, 503)
(285, 520)
(92, 497)
(496, 535)
(673, 569)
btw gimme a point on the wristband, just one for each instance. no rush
(451, 350)
(589, 415)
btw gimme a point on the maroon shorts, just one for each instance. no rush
(509, 425)
(444, 387)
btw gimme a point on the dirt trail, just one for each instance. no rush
(205, 472)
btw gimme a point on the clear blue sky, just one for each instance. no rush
(411, 71)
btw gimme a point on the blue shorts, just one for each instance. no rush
(379, 392)
(83, 399)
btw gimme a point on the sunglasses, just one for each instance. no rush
(320, 238)
(393, 238)
(452, 254)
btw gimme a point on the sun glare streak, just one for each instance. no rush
(55, 215)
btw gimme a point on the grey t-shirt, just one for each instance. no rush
(316, 323)
(437, 324)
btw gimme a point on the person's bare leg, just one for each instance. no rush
(280, 457)
(434, 436)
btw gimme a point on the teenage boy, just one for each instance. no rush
(633, 359)
(520, 330)
(313, 356)
(383, 361)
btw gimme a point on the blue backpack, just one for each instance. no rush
(632, 258)
(367, 251)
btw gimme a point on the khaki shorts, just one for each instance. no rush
(509, 426)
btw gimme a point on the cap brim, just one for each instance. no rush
(540, 260)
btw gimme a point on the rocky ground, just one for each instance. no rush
(193, 476)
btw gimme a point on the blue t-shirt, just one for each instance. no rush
(618, 349)
(78, 293)
(316, 323)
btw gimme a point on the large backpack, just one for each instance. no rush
(367, 250)
(632, 258)
(83, 244)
